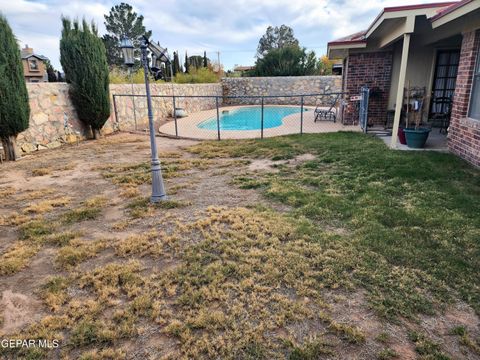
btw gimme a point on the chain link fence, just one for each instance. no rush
(232, 117)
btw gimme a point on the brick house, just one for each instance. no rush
(34, 67)
(434, 47)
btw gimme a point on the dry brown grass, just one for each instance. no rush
(140, 245)
(17, 257)
(42, 171)
(14, 219)
(7, 191)
(47, 205)
(78, 251)
(34, 194)
(129, 192)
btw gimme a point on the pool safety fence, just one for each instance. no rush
(231, 117)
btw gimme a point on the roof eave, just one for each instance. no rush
(454, 12)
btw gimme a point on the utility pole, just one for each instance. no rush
(218, 59)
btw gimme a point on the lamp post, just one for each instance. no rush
(158, 188)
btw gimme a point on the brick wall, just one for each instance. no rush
(374, 70)
(464, 133)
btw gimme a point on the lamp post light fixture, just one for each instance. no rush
(126, 45)
(127, 48)
(158, 188)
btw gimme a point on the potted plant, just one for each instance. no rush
(401, 136)
(180, 112)
(416, 136)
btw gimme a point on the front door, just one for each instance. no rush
(444, 81)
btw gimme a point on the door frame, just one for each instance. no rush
(433, 76)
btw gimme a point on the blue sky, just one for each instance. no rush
(231, 27)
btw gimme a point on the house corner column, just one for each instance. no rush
(401, 86)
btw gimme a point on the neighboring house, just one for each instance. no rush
(34, 67)
(430, 46)
(238, 69)
(337, 67)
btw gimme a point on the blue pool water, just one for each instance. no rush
(249, 118)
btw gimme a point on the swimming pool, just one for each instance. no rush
(250, 118)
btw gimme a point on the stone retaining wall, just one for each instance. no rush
(280, 86)
(54, 121)
(163, 107)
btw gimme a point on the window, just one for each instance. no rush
(33, 64)
(474, 111)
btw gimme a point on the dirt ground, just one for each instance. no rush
(79, 191)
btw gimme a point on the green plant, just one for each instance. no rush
(14, 107)
(195, 76)
(286, 61)
(83, 58)
(118, 76)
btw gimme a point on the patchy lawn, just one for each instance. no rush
(298, 247)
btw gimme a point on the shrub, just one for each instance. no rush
(119, 76)
(83, 58)
(14, 107)
(197, 76)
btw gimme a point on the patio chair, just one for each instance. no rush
(329, 114)
(441, 118)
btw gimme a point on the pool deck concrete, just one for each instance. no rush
(187, 126)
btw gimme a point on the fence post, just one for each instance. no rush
(218, 118)
(116, 114)
(175, 116)
(301, 114)
(261, 123)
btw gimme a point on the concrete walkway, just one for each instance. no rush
(436, 142)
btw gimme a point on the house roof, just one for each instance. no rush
(357, 37)
(243, 68)
(449, 9)
(41, 57)
(360, 37)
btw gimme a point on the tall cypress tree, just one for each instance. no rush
(205, 60)
(14, 107)
(187, 63)
(83, 58)
(176, 64)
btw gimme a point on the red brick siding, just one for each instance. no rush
(464, 133)
(374, 70)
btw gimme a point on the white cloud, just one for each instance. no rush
(232, 27)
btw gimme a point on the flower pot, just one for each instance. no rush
(401, 136)
(416, 138)
(179, 112)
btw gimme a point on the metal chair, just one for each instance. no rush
(440, 114)
(327, 114)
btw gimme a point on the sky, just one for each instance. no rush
(231, 27)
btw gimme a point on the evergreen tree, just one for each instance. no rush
(83, 58)
(122, 20)
(51, 73)
(205, 59)
(286, 61)
(176, 63)
(187, 63)
(14, 107)
(276, 38)
(195, 61)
